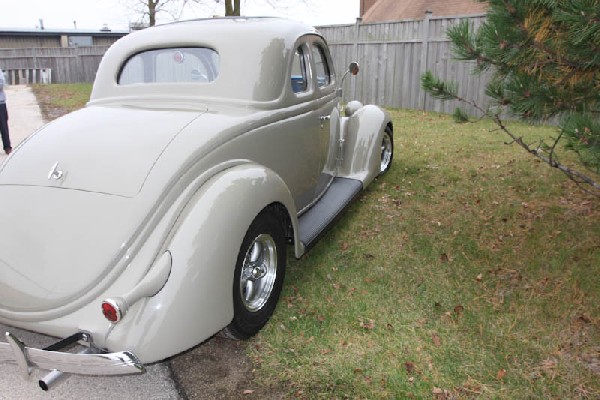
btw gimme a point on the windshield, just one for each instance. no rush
(181, 64)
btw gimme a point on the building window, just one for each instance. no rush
(77, 41)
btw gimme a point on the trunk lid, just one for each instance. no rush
(56, 246)
(97, 149)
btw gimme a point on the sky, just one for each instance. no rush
(117, 14)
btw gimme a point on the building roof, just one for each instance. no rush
(394, 10)
(58, 32)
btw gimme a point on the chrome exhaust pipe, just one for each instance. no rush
(50, 379)
(55, 375)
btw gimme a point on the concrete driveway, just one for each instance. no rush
(24, 115)
(25, 118)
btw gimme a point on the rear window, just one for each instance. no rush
(172, 65)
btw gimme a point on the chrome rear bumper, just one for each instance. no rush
(89, 362)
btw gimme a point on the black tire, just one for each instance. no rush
(387, 150)
(259, 275)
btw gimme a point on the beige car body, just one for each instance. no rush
(145, 195)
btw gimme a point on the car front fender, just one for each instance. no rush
(196, 301)
(361, 155)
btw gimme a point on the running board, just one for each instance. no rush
(315, 221)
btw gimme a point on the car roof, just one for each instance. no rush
(254, 54)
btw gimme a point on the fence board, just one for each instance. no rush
(394, 55)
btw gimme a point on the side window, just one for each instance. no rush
(299, 77)
(322, 68)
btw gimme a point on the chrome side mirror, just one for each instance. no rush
(353, 69)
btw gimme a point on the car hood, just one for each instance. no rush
(61, 237)
(97, 149)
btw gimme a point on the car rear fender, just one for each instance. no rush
(196, 302)
(361, 154)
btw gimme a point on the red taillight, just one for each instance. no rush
(111, 311)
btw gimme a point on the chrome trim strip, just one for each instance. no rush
(120, 363)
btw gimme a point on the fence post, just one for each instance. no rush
(355, 49)
(425, 50)
(35, 60)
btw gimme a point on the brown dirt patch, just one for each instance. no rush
(47, 107)
(218, 369)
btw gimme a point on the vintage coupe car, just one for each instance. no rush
(159, 214)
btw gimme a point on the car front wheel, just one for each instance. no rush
(387, 150)
(259, 275)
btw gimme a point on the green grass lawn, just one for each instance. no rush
(468, 271)
(56, 100)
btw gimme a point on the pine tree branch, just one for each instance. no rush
(571, 173)
(577, 177)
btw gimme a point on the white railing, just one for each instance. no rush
(26, 76)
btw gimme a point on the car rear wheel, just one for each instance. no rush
(259, 275)
(387, 150)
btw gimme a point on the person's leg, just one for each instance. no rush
(4, 128)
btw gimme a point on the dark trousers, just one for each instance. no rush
(4, 126)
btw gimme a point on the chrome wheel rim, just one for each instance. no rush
(386, 151)
(258, 272)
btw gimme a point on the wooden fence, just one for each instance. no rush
(394, 55)
(67, 65)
